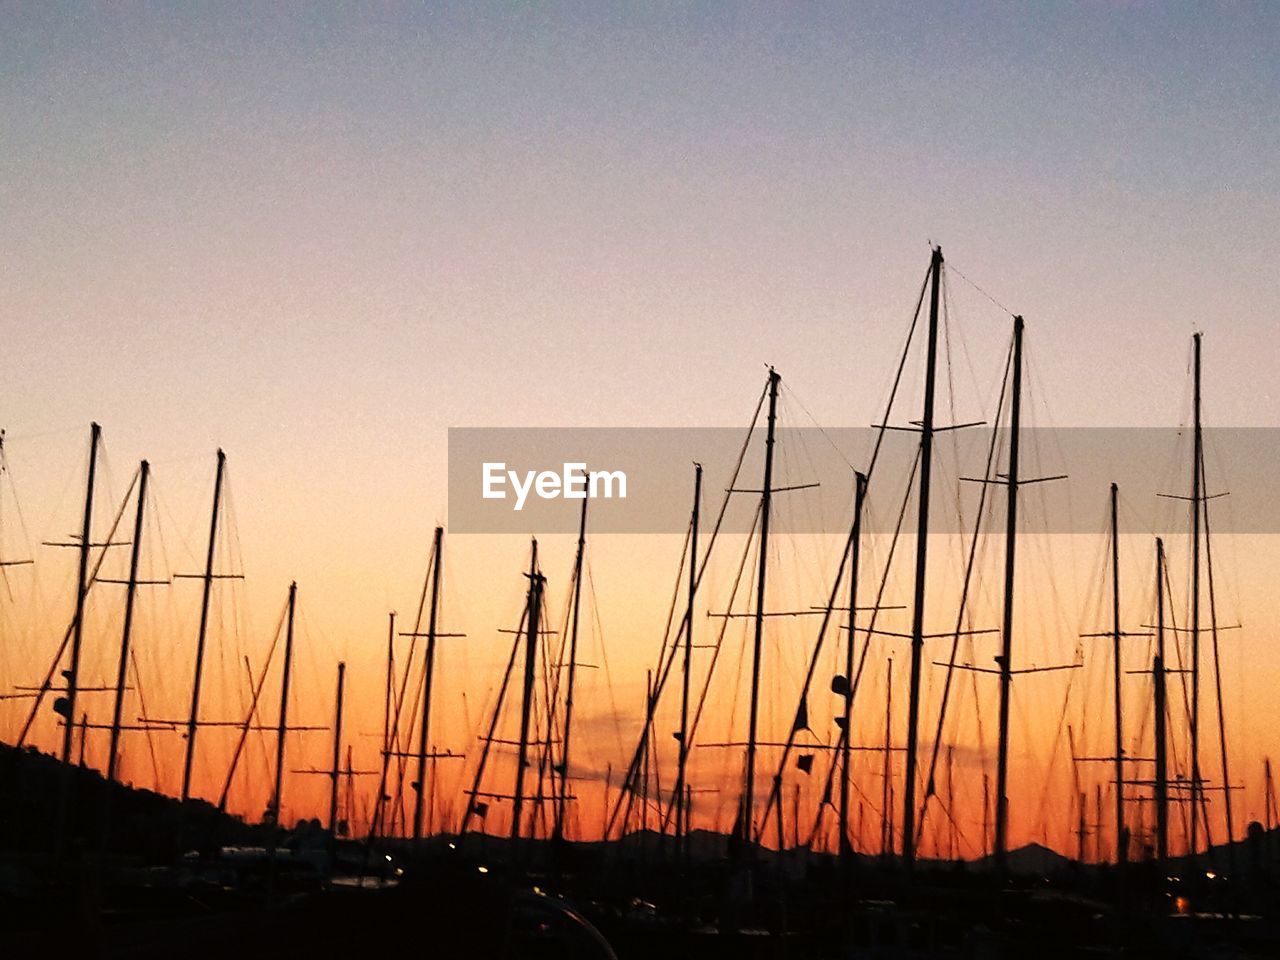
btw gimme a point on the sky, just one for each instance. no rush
(321, 237)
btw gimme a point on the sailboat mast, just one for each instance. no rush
(681, 792)
(562, 799)
(336, 773)
(648, 753)
(1162, 761)
(390, 691)
(282, 726)
(350, 772)
(986, 813)
(1122, 834)
(1196, 503)
(194, 715)
(766, 498)
(952, 839)
(846, 752)
(122, 668)
(1097, 815)
(922, 544)
(526, 702)
(376, 817)
(1217, 678)
(1010, 567)
(1269, 796)
(1081, 829)
(428, 677)
(86, 531)
(886, 808)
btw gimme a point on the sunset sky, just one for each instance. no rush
(320, 238)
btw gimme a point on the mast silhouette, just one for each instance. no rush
(681, 788)
(336, 773)
(122, 668)
(1079, 795)
(1097, 816)
(427, 680)
(1269, 798)
(1161, 735)
(193, 716)
(536, 581)
(1217, 676)
(886, 807)
(922, 547)
(1010, 567)
(1196, 502)
(77, 636)
(282, 726)
(562, 799)
(846, 752)
(766, 499)
(1122, 834)
(390, 691)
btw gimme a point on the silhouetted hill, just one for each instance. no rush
(142, 824)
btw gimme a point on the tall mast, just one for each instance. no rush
(953, 839)
(1081, 829)
(351, 794)
(336, 773)
(766, 498)
(846, 752)
(1010, 559)
(282, 727)
(922, 545)
(1217, 678)
(1269, 798)
(526, 702)
(562, 799)
(986, 813)
(681, 789)
(428, 677)
(387, 723)
(1196, 501)
(86, 530)
(391, 677)
(1162, 761)
(1097, 816)
(886, 826)
(194, 715)
(1122, 834)
(648, 752)
(122, 669)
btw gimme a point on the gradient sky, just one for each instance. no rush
(321, 237)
